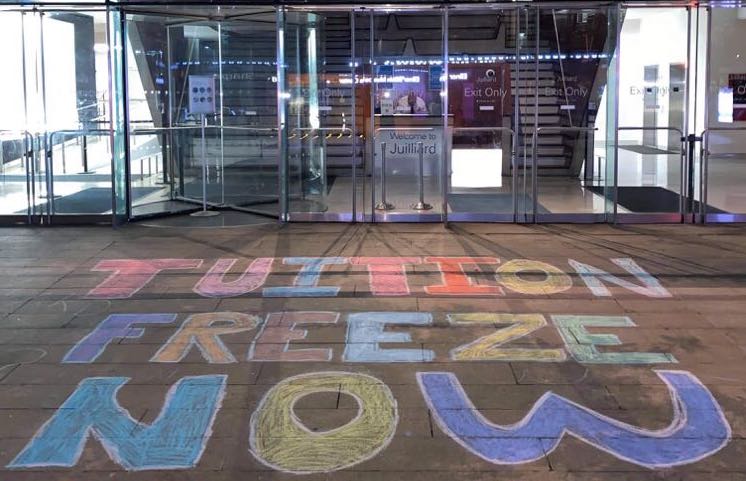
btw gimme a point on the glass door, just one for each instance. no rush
(486, 107)
(18, 152)
(179, 155)
(573, 92)
(75, 96)
(653, 114)
(320, 145)
(407, 134)
(724, 112)
(55, 158)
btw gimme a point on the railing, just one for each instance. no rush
(682, 160)
(384, 204)
(28, 165)
(49, 157)
(704, 173)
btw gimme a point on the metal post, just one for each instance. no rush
(204, 212)
(64, 159)
(383, 205)
(84, 152)
(421, 205)
(692, 140)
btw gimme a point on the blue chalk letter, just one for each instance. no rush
(306, 282)
(175, 440)
(365, 332)
(698, 428)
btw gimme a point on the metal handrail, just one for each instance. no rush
(682, 161)
(534, 163)
(512, 156)
(341, 130)
(705, 164)
(49, 157)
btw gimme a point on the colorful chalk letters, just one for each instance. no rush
(271, 336)
(279, 439)
(698, 428)
(175, 440)
(387, 276)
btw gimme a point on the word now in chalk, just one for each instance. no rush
(278, 438)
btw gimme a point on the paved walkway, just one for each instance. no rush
(360, 352)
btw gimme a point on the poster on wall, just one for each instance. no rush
(737, 84)
(479, 94)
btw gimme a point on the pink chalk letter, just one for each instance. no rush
(214, 285)
(131, 275)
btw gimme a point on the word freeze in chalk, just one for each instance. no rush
(370, 337)
(386, 276)
(279, 439)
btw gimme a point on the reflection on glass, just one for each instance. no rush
(652, 110)
(320, 116)
(573, 131)
(481, 72)
(726, 113)
(166, 53)
(408, 88)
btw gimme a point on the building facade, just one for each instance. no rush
(523, 112)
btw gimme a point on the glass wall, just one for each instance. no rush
(725, 110)
(504, 112)
(318, 92)
(485, 113)
(574, 60)
(653, 107)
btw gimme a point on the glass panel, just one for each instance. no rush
(165, 148)
(167, 51)
(575, 130)
(408, 134)
(726, 113)
(76, 94)
(483, 72)
(249, 112)
(652, 110)
(14, 142)
(119, 127)
(319, 99)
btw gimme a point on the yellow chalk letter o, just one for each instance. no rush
(556, 281)
(281, 441)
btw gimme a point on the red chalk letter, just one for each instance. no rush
(388, 275)
(273, 342)
(131, 275)
(455, 280)
(212, 284)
